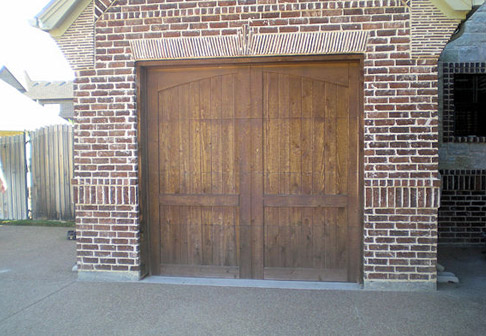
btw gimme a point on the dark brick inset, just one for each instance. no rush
(462, 214)
(448, 123)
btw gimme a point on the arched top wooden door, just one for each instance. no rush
(253, 170)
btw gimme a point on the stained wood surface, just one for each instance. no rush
(253, 171)
(52, 172)
(306, 201)
(195, 161)
(306, 126)
(13, 203)
(200, 200)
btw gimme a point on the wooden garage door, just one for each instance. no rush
(253, 171)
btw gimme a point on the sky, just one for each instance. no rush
(24, 48)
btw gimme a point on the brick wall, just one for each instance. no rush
(462, 215)
(77, 43)
(400, 113)
(431, 29)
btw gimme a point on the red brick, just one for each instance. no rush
(400, 95)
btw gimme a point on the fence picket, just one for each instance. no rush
(52, 171)
(13, 203)
(51, 167)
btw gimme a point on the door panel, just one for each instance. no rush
(197, 167)
(306, 136)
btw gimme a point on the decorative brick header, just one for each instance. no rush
(100, 6)
(402, 197)
(339, 42)
(247, 44)
(105, 194)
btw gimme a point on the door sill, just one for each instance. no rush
(249, 283)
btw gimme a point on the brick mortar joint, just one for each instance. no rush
(96, 19)
(302, 11)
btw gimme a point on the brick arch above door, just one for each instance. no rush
(248, 44)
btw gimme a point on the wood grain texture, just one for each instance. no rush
(307, 139)
(195, 204)
(306, 201)
(254, 171)
(52, 171)
(227, 200)
(13, 203)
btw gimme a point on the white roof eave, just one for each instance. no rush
(59, 15)
(54, 14)
(456, 9)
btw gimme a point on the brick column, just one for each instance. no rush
(105, 156)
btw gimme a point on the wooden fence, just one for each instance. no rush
(48, 174)
(13, 203)
(52, 171)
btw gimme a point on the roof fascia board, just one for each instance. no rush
(460, 5)
(6, 74)
(53, 13)
(59, 15)
(453, 9)
(69, 20)
(464, 5)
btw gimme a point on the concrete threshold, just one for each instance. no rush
(248, 283)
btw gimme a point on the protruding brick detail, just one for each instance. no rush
(248, 44)
(100, 6)
(462, 215)
(402, 197)
(431, 29)
(77, 43)
(99, 194)
(400, 120)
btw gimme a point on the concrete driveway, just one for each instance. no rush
(39, 295)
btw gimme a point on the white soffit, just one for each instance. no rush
(59, 15)
(456, 9)
(248, 44)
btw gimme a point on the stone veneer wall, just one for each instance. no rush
(462, 160)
